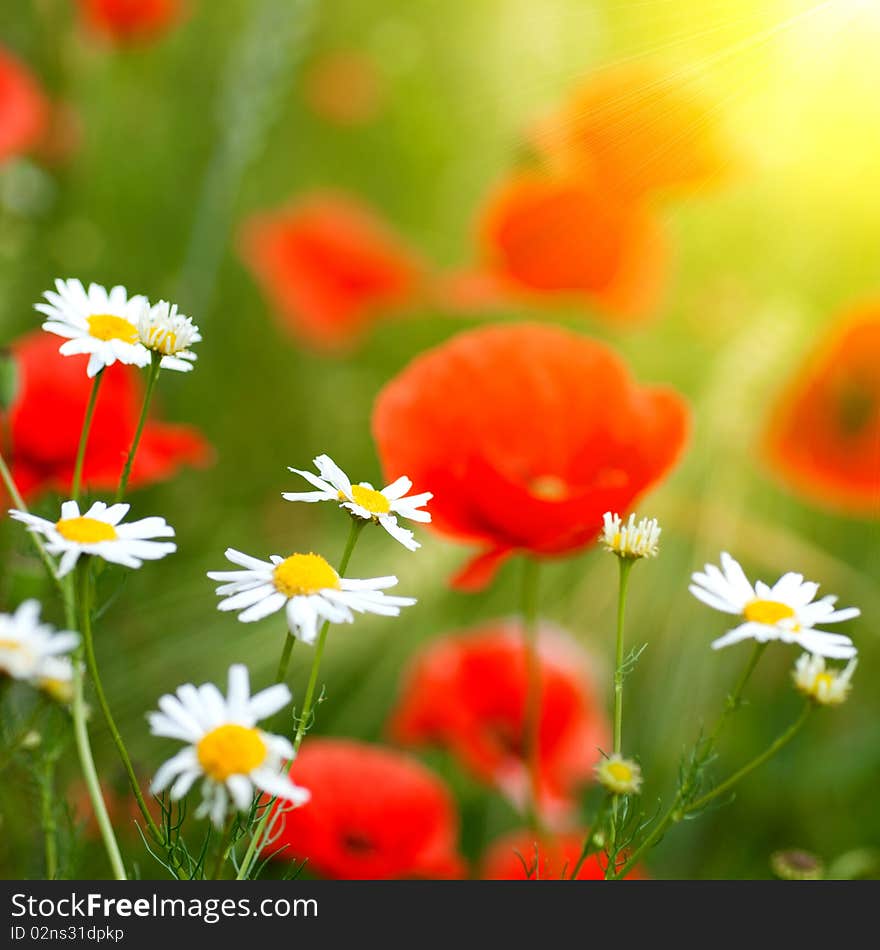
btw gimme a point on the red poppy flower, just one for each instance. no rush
(24, 110)
(44, 422)
(824, 436)
(526, 434)
(520, 856)
(344, 88)
(468, 694)
(374, 814)
(329, 267)
(130, 21)
(637, 128)
(566, 238)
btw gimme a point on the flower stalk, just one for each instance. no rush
(84, 437)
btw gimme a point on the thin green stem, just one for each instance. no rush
(778, 743)
(357, 525)
(532, 711)
(152, 376)
(625, 568)
(85, 603)
(90, 774)
(47, 818)
(673, 813)
(84, 437)
(284, 662)
(225, 847)
(594, 841)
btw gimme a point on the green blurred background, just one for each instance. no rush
(185, 136)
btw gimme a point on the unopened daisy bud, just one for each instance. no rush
(619, 775)
(163, 330)
(31, 740)
(630, 539)
(825, 686)
(796, 865)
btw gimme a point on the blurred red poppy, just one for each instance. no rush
(824, 436)
(24, 110)
(42, 427)
(520, 856)
(345, 88)
(526, 434)
(637, 128)
(468, 694)
(561, 237)
(329, 267)
(131, 21)
(374, 814)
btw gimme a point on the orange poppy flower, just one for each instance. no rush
(559, 236)
(329, 267)
(468, 694)
(130, 21)
(526, 434)
(637, 128)
(43, 424)
(520, 856)
(24, 110)
(824, 436)
(374, 814)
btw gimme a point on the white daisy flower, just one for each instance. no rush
(363, 501)
(224, 747)
(96, 321)
(307, 587)
(619, 775)
(827, 687)
(787, 611)
(35, 652)
(100, 532)
(162, 329)
(629, 539)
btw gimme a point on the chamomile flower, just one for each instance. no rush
(161, 329)
(363, 501)
(101, 533)
(619, 775)
(96, 321)
(35, 652)
(223, 746)
(307, 587)
(827, 687)
(787, 611)
(630, 540)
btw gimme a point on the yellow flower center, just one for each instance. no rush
(59, 690)
(107, 326)
(86, 530)
(11, 645)
(304, 574)
(823, 679)
(162, 340)
(231, 750)
(374, 501)
(620, 772)
(767, 612)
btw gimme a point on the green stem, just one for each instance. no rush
(357, 526)
(225, 848)
(759, 760)
(284, 662)
(90, 775)
(84, 599)
(594, 840)
(84, 437)
(47, 815)
(152, 376)
(625, 568)
(673, 813)
(532, 711)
